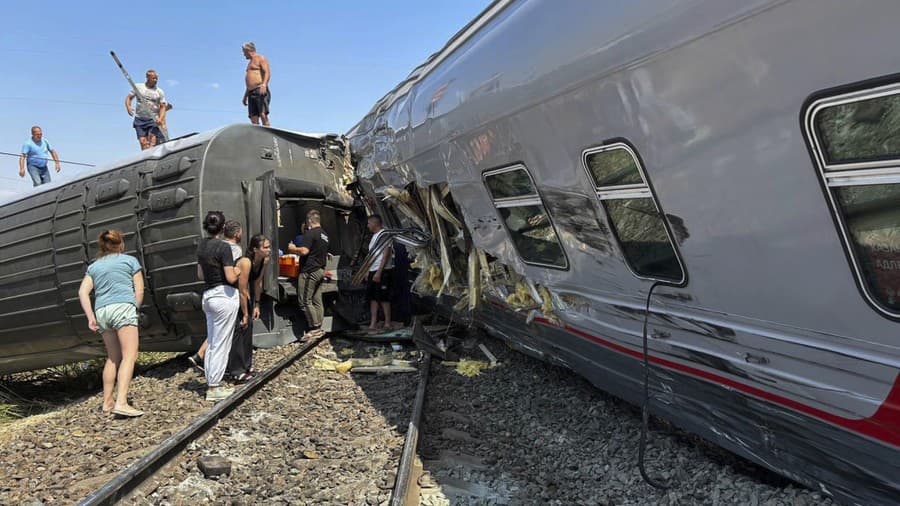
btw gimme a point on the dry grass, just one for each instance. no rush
(34, 392)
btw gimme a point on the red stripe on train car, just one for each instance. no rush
(884, 425)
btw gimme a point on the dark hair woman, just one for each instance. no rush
(118, 286)
(215, 266)
(251, 267)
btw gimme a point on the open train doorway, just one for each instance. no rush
(285, 204)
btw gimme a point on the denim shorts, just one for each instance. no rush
(116, 316)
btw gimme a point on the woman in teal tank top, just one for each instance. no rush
(118, 286)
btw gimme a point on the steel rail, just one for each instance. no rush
(411, 442)
(125, 482)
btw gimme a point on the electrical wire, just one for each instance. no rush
(107, 104)
(48, 159)
(645, 403)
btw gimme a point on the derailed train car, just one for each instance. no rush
(265, 178)
(714, 180)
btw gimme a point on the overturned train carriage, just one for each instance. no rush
(265, 178)
(682, 156)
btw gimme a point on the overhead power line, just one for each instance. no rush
(49, 159)
(108, 104)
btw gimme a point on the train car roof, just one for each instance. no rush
(161, 151)
(422, 70)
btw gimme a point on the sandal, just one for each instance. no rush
(243, 377)
(127, 411)
(196, 361)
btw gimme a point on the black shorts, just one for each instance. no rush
(144, 127)
(258, 103)
(380, 292)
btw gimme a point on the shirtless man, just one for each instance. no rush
(257, 94)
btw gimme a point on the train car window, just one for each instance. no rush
(525, 217)
(510, 183)
(633, 213)
(615, 167)
(873, 220)
(860, 131)
(854, 142)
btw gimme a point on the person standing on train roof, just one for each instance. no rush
(215, 267)
(118, 286)
(257, 94)
(35, 153)
(313, 253)
(150, 114)
(250, 269)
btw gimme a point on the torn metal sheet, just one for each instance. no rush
(474, 279)
(757, 351)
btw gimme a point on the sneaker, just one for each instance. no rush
(196, 361)
(218, 393)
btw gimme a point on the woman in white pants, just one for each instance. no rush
(221, 302)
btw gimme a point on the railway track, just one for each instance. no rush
(120, 486)
(519, 433)
(171, 463)
(406, 487)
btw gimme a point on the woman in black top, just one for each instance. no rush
(215, 266)
(250, 280)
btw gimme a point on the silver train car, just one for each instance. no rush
(265, 178)
(732, 165)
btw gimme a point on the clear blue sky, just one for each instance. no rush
(330, 62)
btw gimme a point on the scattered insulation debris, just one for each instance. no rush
(547, 306)
(450, 264)
(380, 363)
(521, 297)
(471, 368)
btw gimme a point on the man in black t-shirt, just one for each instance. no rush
(313, 251)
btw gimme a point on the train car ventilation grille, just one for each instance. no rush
(112, 190)
(169, 168)
(167, 199)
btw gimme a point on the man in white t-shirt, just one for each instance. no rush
(150, 113)
(379, 287)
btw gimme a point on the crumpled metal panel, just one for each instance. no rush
(769, 350)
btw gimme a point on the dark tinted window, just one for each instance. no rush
(872, 215)
(533, 234)
(513, 183)
(860, 131)
(642, 233)
(613, 168)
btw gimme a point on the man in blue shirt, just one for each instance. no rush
(35, 154)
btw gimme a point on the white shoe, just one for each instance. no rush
(218, 393)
